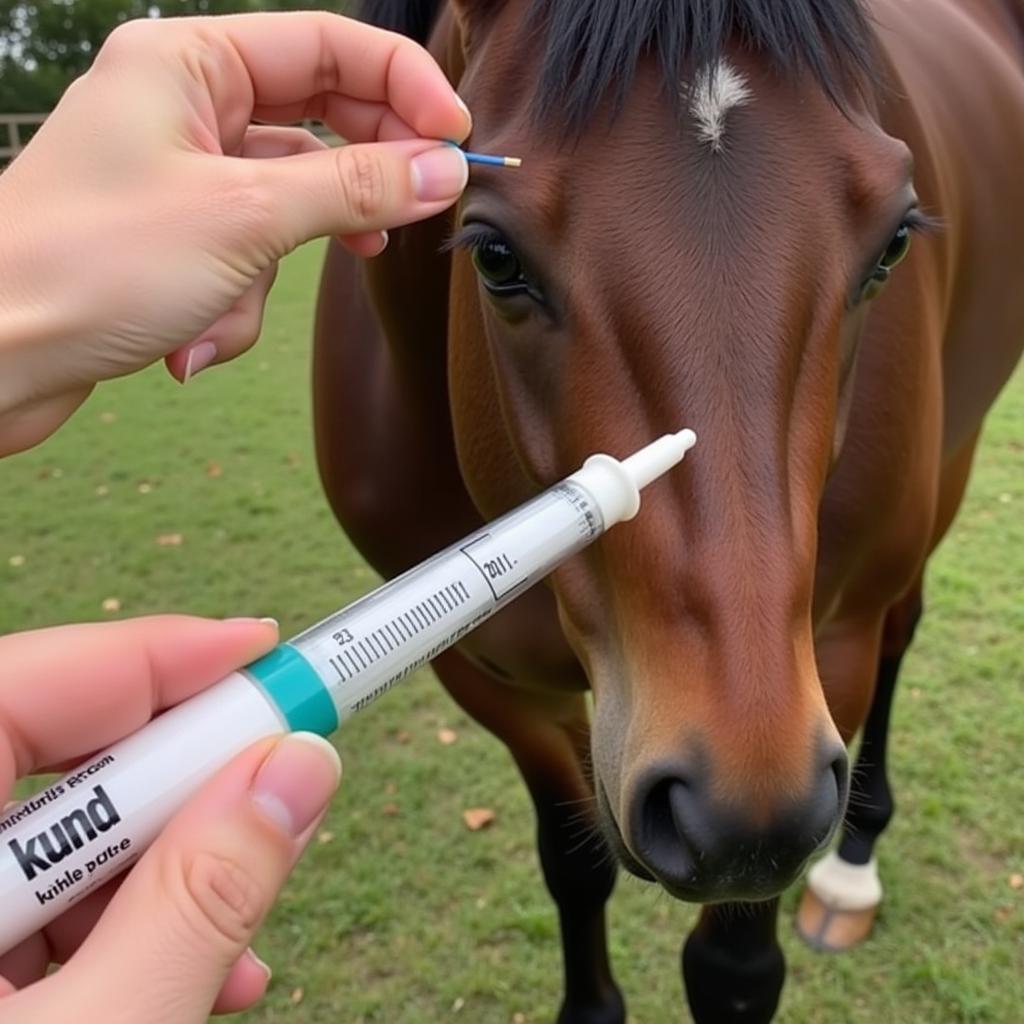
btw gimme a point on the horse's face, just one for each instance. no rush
(649, 278)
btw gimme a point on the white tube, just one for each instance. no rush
(93, 822)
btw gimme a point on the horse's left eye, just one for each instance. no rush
(499, 267)
(897, 249)
(895, 252)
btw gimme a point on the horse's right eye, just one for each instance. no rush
(499, 267)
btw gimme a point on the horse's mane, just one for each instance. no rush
(412, 18)
(592, 47)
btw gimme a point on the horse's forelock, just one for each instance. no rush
(592, 47)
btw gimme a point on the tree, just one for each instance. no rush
(45, 44)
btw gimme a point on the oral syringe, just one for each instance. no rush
(93, 822)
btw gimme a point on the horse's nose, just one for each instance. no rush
(705, 849)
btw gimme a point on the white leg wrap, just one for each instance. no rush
(843, 886)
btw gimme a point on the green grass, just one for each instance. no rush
(398, 914)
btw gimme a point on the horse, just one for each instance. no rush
(793, 226)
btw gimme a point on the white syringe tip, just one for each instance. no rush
(658, 457)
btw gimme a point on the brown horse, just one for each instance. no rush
(714, 198)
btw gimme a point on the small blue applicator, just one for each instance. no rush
(493, 161)
(484, 158)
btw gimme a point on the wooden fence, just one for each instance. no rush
(15, 133)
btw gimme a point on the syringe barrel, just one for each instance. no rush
(363, 650)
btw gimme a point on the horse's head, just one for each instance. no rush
(701, 259)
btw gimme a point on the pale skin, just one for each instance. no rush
(145, 222)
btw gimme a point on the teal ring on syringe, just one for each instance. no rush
(299, 693)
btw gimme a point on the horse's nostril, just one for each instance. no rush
(662, 834)
(702, 847)
(837, 775)
(829, 799)
(840, 766)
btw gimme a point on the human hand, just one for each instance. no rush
(169, 940)
(146, 218)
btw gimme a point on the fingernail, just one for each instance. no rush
(199, 357)
(465, 110)
(295, 782)
(439, 174)
(261, 964)
(384, 238)
(267, 621)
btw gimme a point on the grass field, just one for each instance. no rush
(399, 914)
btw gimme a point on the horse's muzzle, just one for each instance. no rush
(703, 851)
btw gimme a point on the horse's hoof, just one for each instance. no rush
(839, 905)
(830, 930)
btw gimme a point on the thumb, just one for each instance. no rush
(187, 911)
(358, 188)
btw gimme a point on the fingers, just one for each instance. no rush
(357, 188)
(233, 333)
(71, 690)
(190, 907)
(263, 142)
(266, 141)
(366, 244)
(303, 64)
(292, 58)
(26, 425)
(353, 120)
(245, 984)
(29, 960)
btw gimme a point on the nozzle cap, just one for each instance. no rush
(658, 457)
(616, 484)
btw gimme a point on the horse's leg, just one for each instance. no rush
(843, 890)
(548, 737)
(733, 966)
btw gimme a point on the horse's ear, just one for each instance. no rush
(471, 16)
